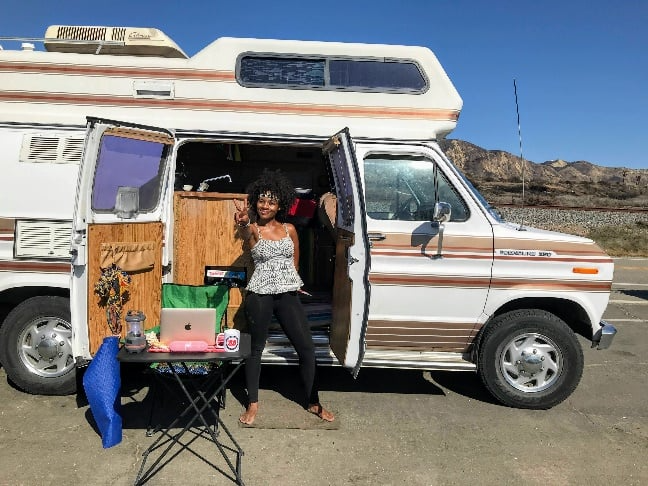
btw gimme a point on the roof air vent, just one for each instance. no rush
(120, 41)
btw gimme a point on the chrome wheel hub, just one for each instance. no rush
(45, 346)
(530, 362)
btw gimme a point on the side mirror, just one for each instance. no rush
(442, 212)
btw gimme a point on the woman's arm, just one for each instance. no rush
(242, 220)
(246, 233)
(292, 232)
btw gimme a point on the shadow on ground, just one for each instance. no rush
(142, 408)
(641, 294)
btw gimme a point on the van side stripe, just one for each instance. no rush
(415, 341)
(34, 267)
(569, 247)
(477, 244)
(448, 329)
(121, 71)
(408, 346)
(488, 256)
(426, 280)
(446, 246)
(526, 283)
(416, 335)
(226, 105)
(428, 254)
(592, 286)
(574, 259)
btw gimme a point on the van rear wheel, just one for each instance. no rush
(530, 359)
(36, 346)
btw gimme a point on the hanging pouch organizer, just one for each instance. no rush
(129, 256)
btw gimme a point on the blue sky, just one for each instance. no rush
(581, 65)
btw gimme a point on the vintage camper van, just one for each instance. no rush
(405, 264)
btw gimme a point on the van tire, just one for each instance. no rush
(530, 358)
(36, 346)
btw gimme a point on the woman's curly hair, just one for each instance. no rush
(278, 185)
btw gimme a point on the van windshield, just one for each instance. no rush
(131, 163)
(478, 195)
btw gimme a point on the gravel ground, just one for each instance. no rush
(561, 219)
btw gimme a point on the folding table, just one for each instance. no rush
(203, 400)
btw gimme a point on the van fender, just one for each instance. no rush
(581, 311)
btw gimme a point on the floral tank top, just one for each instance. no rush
(274, 267)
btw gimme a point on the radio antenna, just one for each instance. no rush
(517, 110)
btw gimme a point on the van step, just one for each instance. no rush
(278, 350)
(428, 360)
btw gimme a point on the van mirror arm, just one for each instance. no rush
(442, 213)
(439, 253)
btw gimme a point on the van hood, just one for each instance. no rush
(537, 238)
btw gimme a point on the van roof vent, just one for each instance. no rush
(120, 41)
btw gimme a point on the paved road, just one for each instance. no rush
(395, 427)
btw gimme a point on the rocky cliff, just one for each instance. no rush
(497, 173)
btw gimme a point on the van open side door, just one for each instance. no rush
(119, 222)
(351, 290)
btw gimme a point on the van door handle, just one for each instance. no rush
(376, 236)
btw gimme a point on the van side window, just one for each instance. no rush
(347, 74)
(402, 188)
(127, 162)
(282, 71)
(378, 75)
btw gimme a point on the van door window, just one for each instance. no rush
(403, 188)
(132, 163)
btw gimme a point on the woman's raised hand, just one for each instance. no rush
(241, 215)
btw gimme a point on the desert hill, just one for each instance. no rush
(498, 175)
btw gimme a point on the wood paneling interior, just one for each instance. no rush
(205, 234)
(146, 286)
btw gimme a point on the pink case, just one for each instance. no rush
(188, 346)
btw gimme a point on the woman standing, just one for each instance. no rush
(273, 287)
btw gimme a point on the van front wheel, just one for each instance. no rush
(530, 359)
(36, 346)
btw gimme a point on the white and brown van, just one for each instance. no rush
(406, 264)
(413, 271)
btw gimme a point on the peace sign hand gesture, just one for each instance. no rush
(241, 215)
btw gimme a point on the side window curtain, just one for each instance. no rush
(403, 188)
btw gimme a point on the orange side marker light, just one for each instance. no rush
(585, 270)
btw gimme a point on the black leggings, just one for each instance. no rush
(290, 314)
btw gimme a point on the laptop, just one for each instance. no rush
(194, 324)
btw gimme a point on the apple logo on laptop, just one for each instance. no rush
(188, 326)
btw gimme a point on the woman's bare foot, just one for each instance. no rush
(321, 412)
(248, 417)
